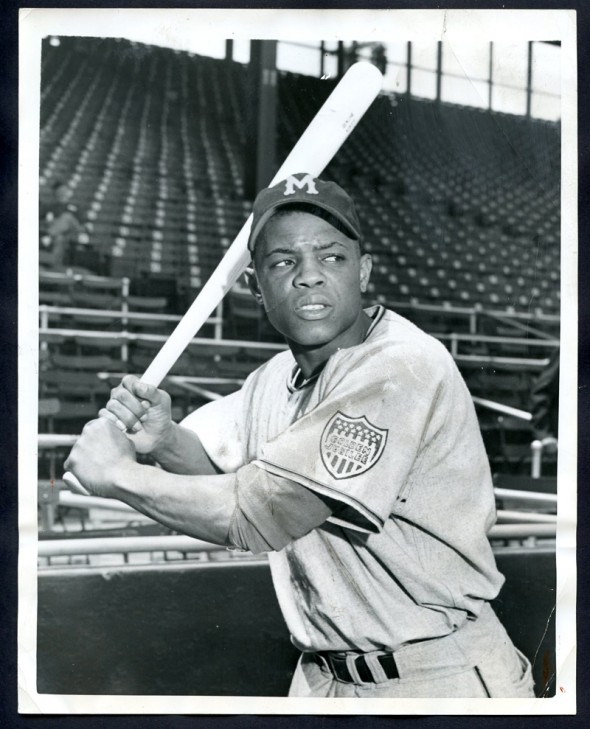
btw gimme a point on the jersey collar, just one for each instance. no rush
(296, 380)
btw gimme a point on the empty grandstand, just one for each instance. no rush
(460, 208)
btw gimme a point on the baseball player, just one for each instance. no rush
(354, 459)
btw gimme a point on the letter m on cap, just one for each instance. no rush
(307, 180)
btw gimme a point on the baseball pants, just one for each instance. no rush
(477, 661)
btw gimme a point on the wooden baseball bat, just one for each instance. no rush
(316, 147)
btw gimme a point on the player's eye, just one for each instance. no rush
(282, 263)
(334, 257)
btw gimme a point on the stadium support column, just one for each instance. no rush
(261, 117)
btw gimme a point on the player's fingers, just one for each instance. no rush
(104, 413)
(148, 393)
(129, 401)
(125, 418)
(125, 387)
(128, 381)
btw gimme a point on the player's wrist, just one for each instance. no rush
(166, 444)
(126, 479)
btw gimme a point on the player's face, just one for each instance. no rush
(310, 277)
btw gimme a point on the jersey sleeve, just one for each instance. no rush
(357, 448)
(272, 511)
(219, 427)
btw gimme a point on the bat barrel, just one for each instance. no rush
(335, 120)
(220, 282)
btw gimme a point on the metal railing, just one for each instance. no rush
(529, 499)
(122, 545)
(500, 408)
(473, 339)
(179, 543)
(125, 337)
(512, 524)
(521, 320)
(537, 446)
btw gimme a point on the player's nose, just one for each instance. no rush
(309, 272)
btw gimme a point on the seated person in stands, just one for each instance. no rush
(354, 459)
(60, 224)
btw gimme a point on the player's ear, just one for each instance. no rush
(252, 281)
(366, 264)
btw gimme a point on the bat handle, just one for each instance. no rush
(74, 484)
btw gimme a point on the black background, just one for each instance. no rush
(8, 401)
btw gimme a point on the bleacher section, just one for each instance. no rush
(459, 205)
(460, 209)
(151, 153)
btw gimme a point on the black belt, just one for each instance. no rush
(337, 665)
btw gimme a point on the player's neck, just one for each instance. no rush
(311, 359)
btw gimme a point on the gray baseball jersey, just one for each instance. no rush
(388, 432)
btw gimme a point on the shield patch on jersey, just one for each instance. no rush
(351, 446)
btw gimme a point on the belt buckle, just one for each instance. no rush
(352, 668)
(359, 669)
(355, 668)
(339, 667)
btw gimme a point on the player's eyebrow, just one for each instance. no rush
(290, 251)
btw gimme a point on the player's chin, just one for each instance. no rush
(311, 333)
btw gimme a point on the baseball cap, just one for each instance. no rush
(303, 188)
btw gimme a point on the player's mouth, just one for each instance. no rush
(313, 308)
